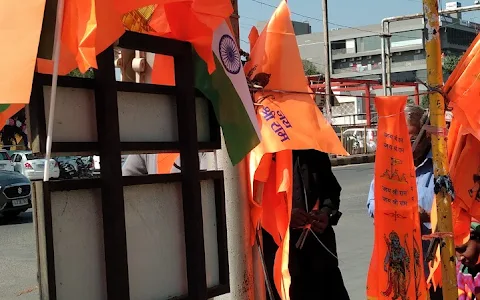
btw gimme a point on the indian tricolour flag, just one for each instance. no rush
(228, 91)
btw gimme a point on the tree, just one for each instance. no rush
(309, 67)
(77, 73)
(425, 102)
(450, 62)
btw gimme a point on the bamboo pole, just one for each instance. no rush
(439, 146)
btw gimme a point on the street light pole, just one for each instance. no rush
(326, 44)
(439, 146)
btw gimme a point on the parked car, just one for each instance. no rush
(356, 137)
(15, 193)
(33, 165)
(76, 166)
(5, 161)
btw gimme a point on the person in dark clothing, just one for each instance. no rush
(314, 266)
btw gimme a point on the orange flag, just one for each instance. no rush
(20, 26)
(165, 162)
(396, 268)
(274, 174)
(462, 89)
(193, 21)
(253, 37)
(287, 112)
(289, 121)
(89, 27)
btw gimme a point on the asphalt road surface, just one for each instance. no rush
(18, 266)
(355, 229)
(18, 263)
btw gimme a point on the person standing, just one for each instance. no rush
(144, 164)
(313, 266)
(422, 158)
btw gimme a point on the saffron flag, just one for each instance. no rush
(193, 21)
(396, 268)
(227, 90)
(286, 110)
(289, 120)
(165, 162)
(274, 173)
(20, 37)
(462, 89)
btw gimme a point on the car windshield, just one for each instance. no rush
(31, 156)
(4, 156)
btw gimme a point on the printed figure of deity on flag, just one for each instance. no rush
(396, 269)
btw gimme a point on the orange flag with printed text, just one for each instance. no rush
(396, 267)
(289, 120)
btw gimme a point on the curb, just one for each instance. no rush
(352, 160)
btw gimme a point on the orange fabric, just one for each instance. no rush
(276, 176)
(435, 277)
(253, 37)
(463, 87)
(165, 162)
(465, 175)
(79, 32)
(453, 132)
(20, 37)
(288, 122)
(163, 70)
(193, 21)
(96, 25)
(396, 269)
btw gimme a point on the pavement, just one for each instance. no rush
(18, 266)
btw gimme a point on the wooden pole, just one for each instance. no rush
(234, 20)
(439, 146)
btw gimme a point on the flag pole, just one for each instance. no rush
(439, 146)
(53, 93)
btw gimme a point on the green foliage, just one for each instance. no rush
(309, 68)
(424, 101)
(450, 62)
(77, 73)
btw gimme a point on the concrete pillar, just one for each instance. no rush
(241, 262)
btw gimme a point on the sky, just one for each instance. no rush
(340, 12)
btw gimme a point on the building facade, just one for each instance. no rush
(356, 52)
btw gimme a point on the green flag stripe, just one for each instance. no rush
(238, 131)
(4, 107)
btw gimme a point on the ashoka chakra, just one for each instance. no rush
(229, 54)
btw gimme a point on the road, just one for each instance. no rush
(355, 229)
(18, 263)
(18, 269)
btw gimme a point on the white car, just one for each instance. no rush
(357, 136)
(5, 161)
(32, 165)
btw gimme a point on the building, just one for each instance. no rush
(356, 52)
